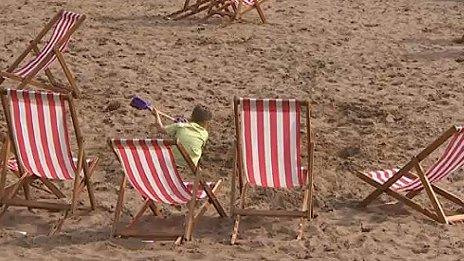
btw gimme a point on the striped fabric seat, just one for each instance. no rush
(12, 163)
(451, 160)
(270, 137)
(150, 168)
(40, 133)
(64, 24)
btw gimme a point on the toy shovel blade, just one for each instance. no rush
(140, 104)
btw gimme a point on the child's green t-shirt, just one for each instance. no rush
(192, 136)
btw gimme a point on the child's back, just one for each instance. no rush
(192, 135)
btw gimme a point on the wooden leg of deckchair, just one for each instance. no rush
(67, 72)
(190, 215)
(379, 190)
(88, 172)
(59, 224)
(154, 209)
(432, 196)
(12, 194)
(139, 214)
(397, 196)
(213, 199)
(4, 159)
(448, 195)
(53, 188)
(205, 205)
(304, 208)
(233, 238)
(238, 12)
(119, 205)
(232, 186)
(260, 11)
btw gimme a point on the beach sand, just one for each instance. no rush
(384, 78)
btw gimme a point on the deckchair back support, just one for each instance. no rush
(270, 142)
(40, 133)
(151, 169)
(268, 155)
(59, 39)
(394, 182)
(451, 160)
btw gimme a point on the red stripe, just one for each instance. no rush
(298, 142)
(56, 139)
(261, 146)
(274, 142)
(43, 136)
(30, 131)
(247, 140)
(286, 143)
(166, 173)
(14, 109)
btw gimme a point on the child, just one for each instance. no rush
(192, 135)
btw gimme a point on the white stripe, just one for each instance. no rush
(172, 173)
(267, 143)
(293, 143)
(134, 170)
(280, 144)
(254, 143)
(37, 134)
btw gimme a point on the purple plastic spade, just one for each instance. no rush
(140, 104)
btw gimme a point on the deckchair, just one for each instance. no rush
(268, 155)
(150, 167)
(65, 24)
(196, 7)
(249, 5)
(403, 184)
(39, 138)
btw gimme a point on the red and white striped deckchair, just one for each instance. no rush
(249, 5)
(64, 24)
(234, 8)
(150, 168)
(197, 6)
(269, 153)
(38, 132)
(403, 184)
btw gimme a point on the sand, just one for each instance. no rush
(383, 77)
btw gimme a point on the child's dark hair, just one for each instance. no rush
(201, 114)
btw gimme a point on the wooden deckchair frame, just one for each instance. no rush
(307, 210)
(191, 219)
(8, 194)
(53, 85)
(432, 190)
(257, 5)
(212, 7)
